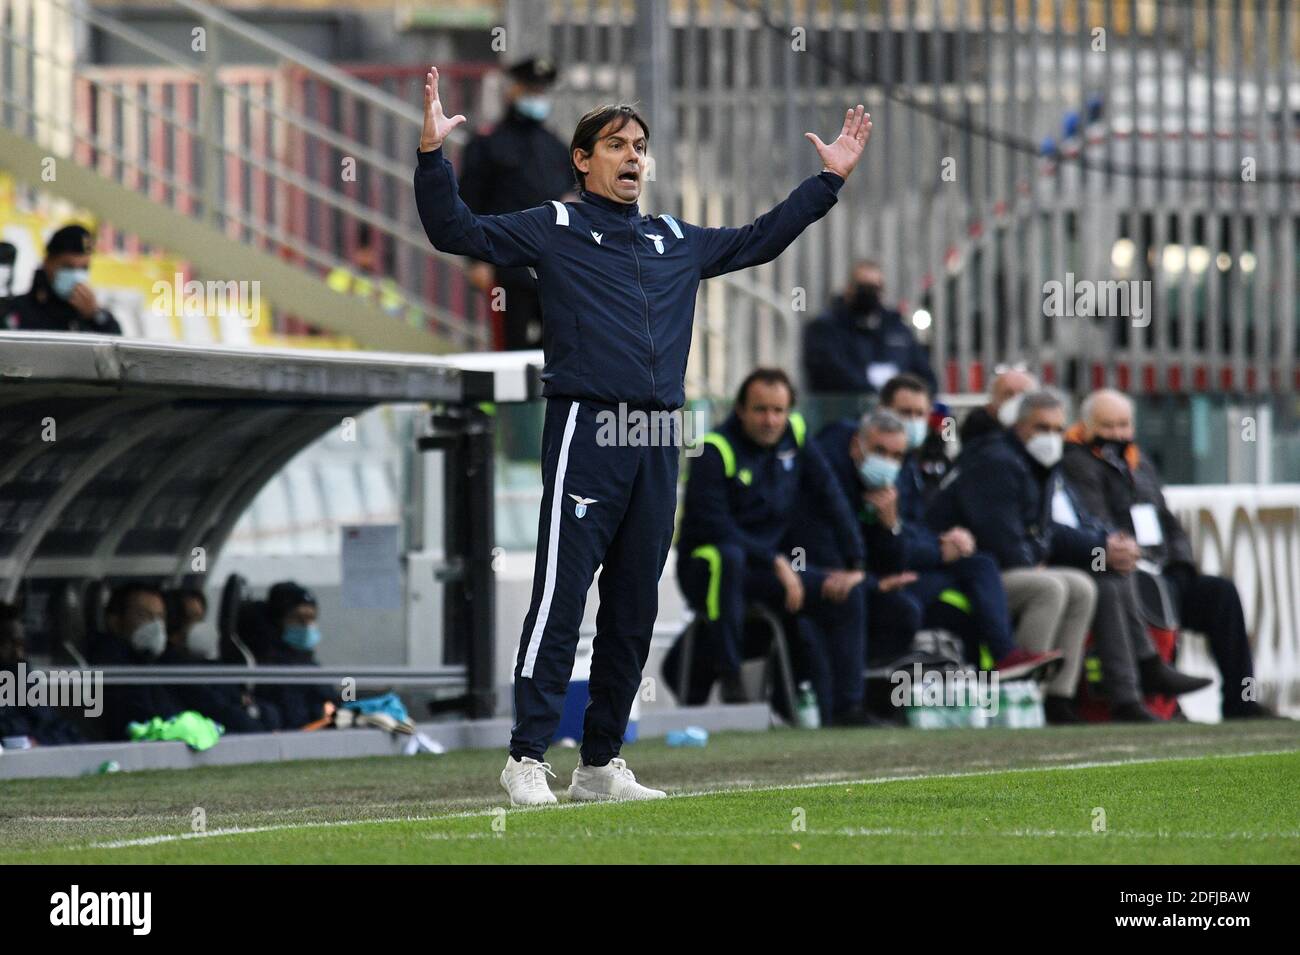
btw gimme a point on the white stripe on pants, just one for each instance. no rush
(552, 546)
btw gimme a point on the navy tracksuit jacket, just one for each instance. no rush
(618, 304)
(745, 505)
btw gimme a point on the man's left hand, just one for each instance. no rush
(843, 154)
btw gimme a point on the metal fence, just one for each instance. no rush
(1017, 143)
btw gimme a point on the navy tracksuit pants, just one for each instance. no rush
(980, 580)
(831, 635)
(606, 503)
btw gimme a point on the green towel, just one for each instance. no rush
(189, 727)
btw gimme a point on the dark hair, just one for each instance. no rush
(768, 376)
(122, 594)
(905, 381)
(589, 127)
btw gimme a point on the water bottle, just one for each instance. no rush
(691, 736)
(806, 713)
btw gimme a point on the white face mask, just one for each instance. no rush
(202, 640)
(1009, 410)
(1046, 449)
(149, 638)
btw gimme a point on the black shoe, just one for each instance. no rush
(858, 716)
(1247, 710)
(1159, 677)
(1132, 713)
(732, 689)
(1060, 711)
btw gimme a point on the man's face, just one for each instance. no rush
(765, 413)
(1041, 421)
(867, 275)
(65, 260)
(1112, 419)
(908, 404)
(303, 615)
(194, 612)
(616, 163)
(142, 608)
(885, 444)
(1007, 385)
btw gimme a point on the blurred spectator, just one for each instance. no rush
(1000, 412)
(61, 299)
(41, 724)
(517, 165)
(291, 613)
(227, 703)
(136, 634)
(1118, 484)
(858, 343)
(946, 561)
(741, 495)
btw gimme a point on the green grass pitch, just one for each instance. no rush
(1173, 793)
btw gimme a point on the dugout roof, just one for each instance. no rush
(119, 456)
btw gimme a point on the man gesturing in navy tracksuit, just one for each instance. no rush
(618, 300)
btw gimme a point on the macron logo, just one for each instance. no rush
(102, 908)
(597, 236)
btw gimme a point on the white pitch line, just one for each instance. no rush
(475, 813)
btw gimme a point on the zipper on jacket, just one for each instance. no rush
(654, 391)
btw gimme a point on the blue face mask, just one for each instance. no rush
(534, 107)
(65, 280)
(878, 471)
(917, 429)
(302, 638)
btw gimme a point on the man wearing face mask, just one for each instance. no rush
(1002, 407)
(136, 635)
(858, 343)
(518, 164)
(292, 613)
(1119, 484)
(61, 299)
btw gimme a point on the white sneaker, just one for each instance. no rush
(525, 781)
(613, 781)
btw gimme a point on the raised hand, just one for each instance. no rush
(436, 123)
(843, 154)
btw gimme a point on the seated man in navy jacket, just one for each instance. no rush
(742, 493)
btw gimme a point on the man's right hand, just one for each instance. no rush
(791, 582)
(1122, 553)
(436, 123)
(896, 581)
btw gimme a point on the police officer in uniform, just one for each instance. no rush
(60, 299)
(518, 164)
